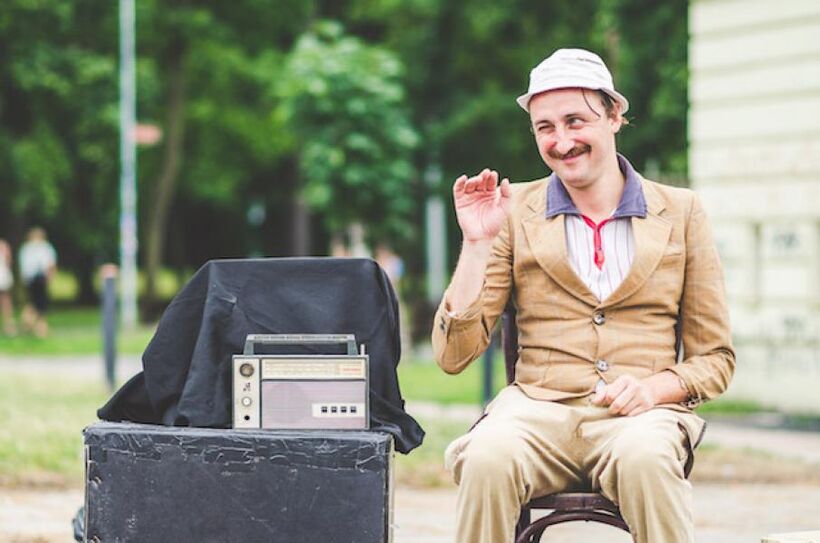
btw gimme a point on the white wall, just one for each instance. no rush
(754, 157)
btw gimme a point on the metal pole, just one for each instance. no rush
(109, 322)
(128, 188)
(436, 233)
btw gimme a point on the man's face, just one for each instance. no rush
(574, 141)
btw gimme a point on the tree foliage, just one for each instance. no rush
(349, 103)
(344, 103)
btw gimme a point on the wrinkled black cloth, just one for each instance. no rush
(186, 377)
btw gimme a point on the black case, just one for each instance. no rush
(155, 483)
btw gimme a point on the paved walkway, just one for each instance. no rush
(723, 514)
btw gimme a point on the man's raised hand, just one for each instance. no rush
(481, 205)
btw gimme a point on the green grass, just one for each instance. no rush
(424, 467)
(723, 406)
(42, 416)
(64, 286)
(74, 331)
(425, 381)
(41, 422)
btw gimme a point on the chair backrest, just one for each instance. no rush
(509, 341)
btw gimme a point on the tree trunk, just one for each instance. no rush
(165, 186)
(301, 235)
(86, 296)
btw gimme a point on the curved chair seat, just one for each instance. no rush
(567, 507)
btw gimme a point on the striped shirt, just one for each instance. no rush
(618, 245)
(603, 263)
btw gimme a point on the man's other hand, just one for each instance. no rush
(627, 395)
(481, 205)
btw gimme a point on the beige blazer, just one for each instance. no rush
(568, 339)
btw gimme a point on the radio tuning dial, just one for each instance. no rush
(246, 401)
(246, 370)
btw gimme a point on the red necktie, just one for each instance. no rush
(596, 228)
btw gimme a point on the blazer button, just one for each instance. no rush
(598, 318)
(602, 365)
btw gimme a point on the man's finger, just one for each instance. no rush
(492, 181)
(476, 183)
(630, 405)
(471, 184)
(504, 193)
(626, 396)
(505, 189)
(458, 187)
(613, 390)
(600, 395)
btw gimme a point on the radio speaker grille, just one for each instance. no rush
(290, 404)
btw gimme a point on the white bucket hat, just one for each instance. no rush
(571, 68)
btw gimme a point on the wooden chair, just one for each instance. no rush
(564, 507)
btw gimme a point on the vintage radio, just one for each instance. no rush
(289, 391)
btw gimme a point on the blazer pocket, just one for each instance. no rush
(535, 371)
(672, 251)
(671, 259)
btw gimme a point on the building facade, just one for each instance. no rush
(754, 158)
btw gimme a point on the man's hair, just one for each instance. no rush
(607, 101)
(609, 106)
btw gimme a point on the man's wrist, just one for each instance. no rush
(667, 387)
(477, 245)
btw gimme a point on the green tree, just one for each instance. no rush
(344, 102)
(212, 62)
(470, 58)
(58, 128)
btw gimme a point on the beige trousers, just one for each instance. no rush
(525, 448)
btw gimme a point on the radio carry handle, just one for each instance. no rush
(251, 340)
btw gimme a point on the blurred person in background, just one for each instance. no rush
(6, 284)
(610, 275)
(390, 262)
(38, 264)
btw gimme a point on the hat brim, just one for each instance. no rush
(524, 99)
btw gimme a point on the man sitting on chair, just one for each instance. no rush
(606, 270)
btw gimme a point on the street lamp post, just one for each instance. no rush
(128, 165)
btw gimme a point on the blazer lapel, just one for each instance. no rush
(651, 238)
(547, 241)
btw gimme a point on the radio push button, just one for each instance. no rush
(246, 401)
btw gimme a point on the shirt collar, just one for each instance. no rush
(632, 204)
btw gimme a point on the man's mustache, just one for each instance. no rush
(575, 151)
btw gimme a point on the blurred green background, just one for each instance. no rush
(285, 122)
(283, 125)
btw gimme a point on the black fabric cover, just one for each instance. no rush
(186, 377)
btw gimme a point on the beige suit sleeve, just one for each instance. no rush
(460, 339)
(709, 359)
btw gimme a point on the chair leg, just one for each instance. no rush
(523, 522)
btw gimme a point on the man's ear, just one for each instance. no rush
(616, 119)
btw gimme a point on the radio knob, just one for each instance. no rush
(246, 369)
(246, 401)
